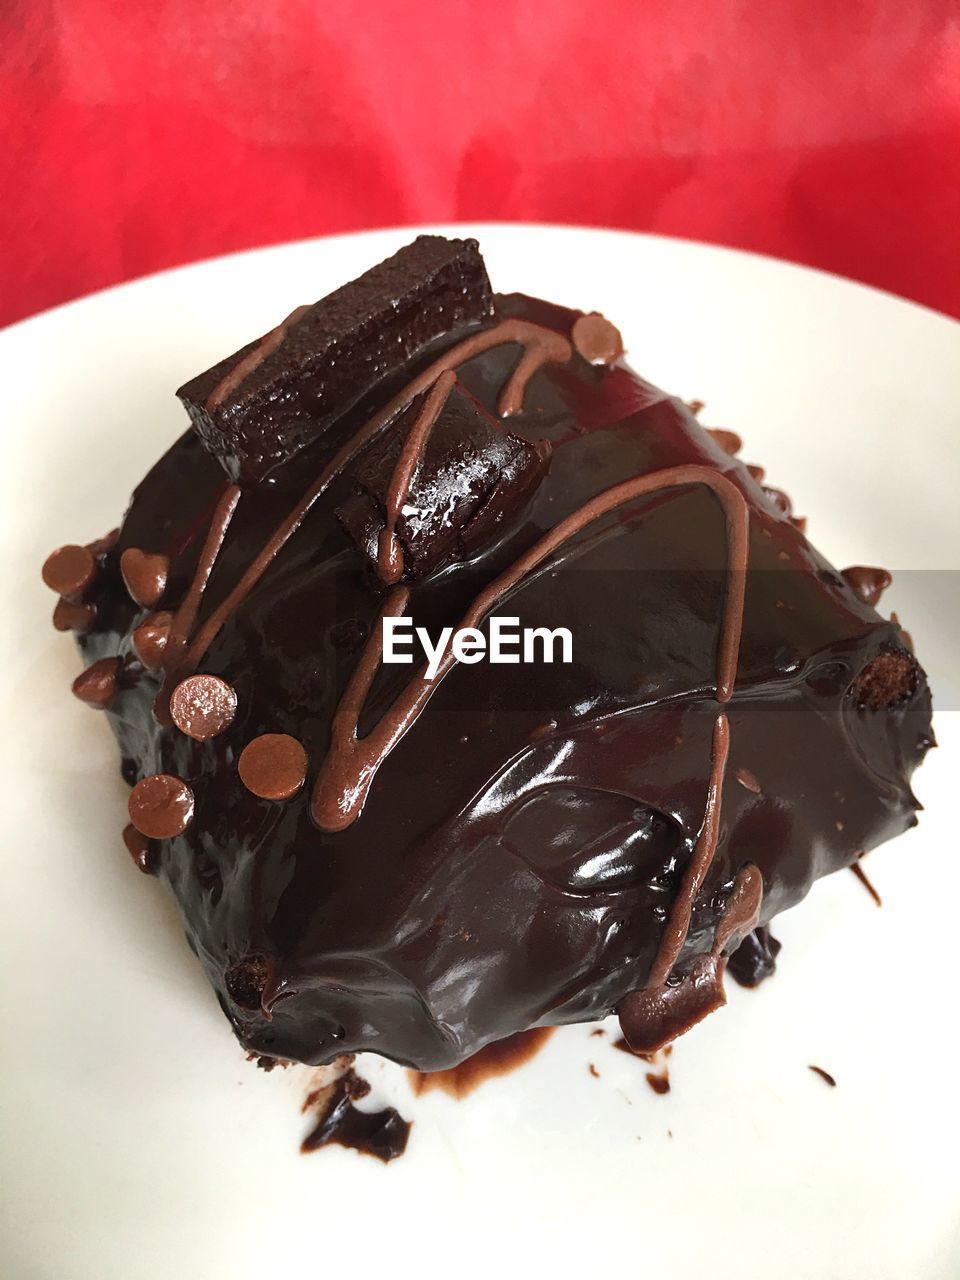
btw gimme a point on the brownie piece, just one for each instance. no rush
(363, 864)
(259, 407)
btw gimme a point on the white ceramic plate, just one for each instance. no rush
(138, 1142)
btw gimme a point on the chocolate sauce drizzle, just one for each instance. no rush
(346, 774)
(678, 924)
(389, 553)
(243, 368)
(351, 763)
(541, 346)
(186, 615)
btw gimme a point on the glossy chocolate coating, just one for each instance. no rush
(472, 476)
(520, 847)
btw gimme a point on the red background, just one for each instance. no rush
(142, 135)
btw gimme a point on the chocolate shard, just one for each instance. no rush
(472, 478)
(259, 407)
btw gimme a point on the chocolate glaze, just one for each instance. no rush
(755, 958)
(496, 1059)
(496, 878)
(383, 1134)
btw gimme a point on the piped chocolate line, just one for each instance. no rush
(186, 615)
(351, 763)
(243, 368)
(546, 345)
(389, 553)
(678, 924)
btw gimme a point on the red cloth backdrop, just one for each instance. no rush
(142, 135)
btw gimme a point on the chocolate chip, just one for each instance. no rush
(141, 850)
(203, 706)
(728, 441)
(779, 499)
(149, 639)
(246, 979)
(161, 806)
(74, 617)
(867, 584)
(597, 340)
(757, 473)
(144, 575)
(69, 570)
(273, 766)
(97, 685)
(888, 679)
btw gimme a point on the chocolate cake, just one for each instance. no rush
(366, 859)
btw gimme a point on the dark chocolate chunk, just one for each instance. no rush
(471, 479)
(296, 381)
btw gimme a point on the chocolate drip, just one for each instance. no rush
(675, 933)
(868, 583)
(496, 1059)
(652, 1018)
(755, 958)
(867, 883)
